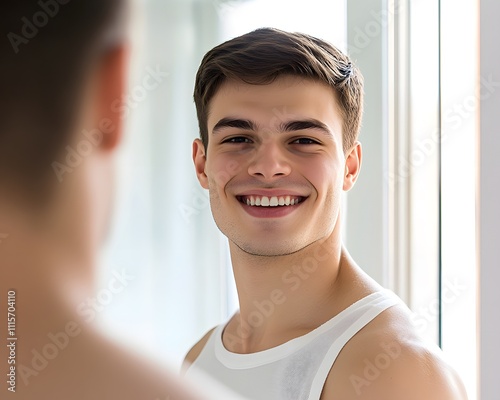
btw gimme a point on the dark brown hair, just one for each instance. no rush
(261, 56)
(47, 48)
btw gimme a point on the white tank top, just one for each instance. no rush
(297, 369)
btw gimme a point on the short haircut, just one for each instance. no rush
(262, 56)
(47, 48)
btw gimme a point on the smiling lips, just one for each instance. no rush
(273, 201)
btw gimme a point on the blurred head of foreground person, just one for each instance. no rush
(62, 65)
(279, 115)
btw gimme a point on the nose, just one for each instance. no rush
(269, 162)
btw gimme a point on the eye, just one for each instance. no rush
(305, 141)
(237, 139)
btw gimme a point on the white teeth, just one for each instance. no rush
(275, 201)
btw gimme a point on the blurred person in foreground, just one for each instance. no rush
(62, 64)
(279, 115)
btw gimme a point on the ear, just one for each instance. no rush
(111, 86)
(352, 166)
(200, 160)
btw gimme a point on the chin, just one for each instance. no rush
(267, 249)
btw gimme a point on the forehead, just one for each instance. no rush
(285, 99)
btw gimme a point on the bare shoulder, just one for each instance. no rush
(195, 351)
(116, 372)
(387, 360)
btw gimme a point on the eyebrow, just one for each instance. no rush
(234, 123)
(290, 126)
(301, 125)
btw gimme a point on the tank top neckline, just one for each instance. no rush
(242, 361)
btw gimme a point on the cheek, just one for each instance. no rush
(325, 176)
(221, 169)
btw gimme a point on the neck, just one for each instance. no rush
(287, 296)
(277, 294)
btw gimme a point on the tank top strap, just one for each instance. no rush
(381, 302)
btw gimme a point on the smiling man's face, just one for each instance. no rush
(274, 166)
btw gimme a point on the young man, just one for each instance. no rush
(279, 115)
(62, 67)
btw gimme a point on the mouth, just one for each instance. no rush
(270, 201)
